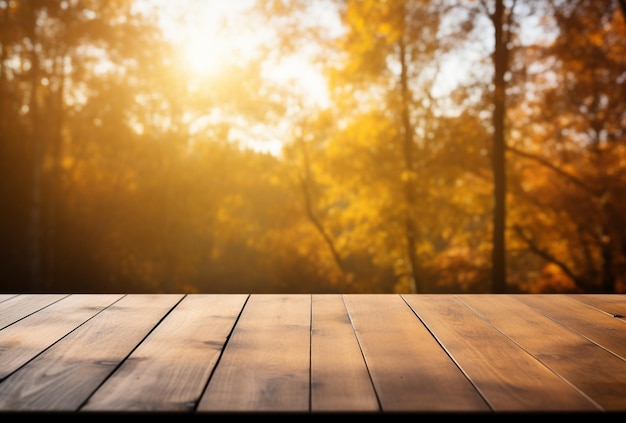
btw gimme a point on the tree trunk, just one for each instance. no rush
(500, 59)
(53, 120)
(409, 181)
(36, 133)
(622, 5)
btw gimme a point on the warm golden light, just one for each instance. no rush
(203, 52)
(312, 146)
(199, 29)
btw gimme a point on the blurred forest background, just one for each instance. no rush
(326, 146)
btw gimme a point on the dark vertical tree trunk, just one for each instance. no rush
(408, 181)
(36, 134)
(500, 61)
(54, 116)
(622, 4)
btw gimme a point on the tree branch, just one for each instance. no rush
(555, 169)
(545, 254)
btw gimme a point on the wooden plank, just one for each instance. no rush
(564, 352)
(4, 297)
(65, 375)
(20, 306)
(410, 370)
(265, 365)
(339, 377)
(170, 369)
(365, 352)
(510, 378)
(598, 326)
(23, 340)
(615, 305)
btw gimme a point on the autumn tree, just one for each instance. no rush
(421, 156)
(577, 131)
(48, 50)
(501, 18)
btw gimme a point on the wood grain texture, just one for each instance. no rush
(410, 370)
(169, 370)
(605, 385)
(4, 297)
(509, 377)
(25, 339)
(339, 377)
(615, 305)
(265, 365)
(596, 325)
(62, 377)
(364, 353)
(18, 307)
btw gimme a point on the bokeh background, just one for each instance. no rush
(313, 146)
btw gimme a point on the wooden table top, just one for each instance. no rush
(200, 353)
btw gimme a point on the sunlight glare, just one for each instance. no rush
(210, 35)
(202, 54)
(197, 27)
